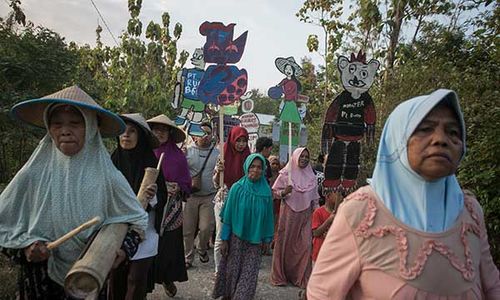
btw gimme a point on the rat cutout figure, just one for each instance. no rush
(186, 95)
(350, 117)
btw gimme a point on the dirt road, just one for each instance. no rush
(201, 280)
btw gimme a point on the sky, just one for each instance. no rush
(273, 28)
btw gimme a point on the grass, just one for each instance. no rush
(8, 277)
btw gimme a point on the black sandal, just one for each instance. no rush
(170, 289)
(204, 258)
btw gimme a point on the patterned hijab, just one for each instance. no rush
(431, 206)
(54, 193)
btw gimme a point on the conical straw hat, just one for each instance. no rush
(177, 134)
(31, 111)
(139, 120)
(281, 62)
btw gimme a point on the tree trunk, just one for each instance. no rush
(397, 21)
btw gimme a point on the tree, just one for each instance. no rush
(137, 75)
(34, 61)
(326, 14)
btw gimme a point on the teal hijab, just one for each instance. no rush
(249, 206)
(430, 206)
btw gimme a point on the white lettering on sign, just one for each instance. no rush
(344, 114)
(353, 105)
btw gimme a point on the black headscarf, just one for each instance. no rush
(132, 164)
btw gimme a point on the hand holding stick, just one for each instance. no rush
(72, 233)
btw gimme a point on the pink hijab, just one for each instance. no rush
(304, 183)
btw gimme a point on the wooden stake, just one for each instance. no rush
(221, 142)
(72, 233)
(290, 153)
(160, 161)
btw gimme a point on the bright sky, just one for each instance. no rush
(273, 28)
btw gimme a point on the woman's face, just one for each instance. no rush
(67, 129)
(275, 165)
(241, 144)
(161, 131)
(255, 169)
(288, 70)
(128, 140)
(435, 147)
(304, 159)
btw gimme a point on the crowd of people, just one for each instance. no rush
(410, 233)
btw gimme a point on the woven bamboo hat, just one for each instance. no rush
(139, 120)
(176, 133)
(31, 111)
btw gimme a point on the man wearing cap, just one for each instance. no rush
(199, 209)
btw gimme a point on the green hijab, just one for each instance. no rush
(249, 206)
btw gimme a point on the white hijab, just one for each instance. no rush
(54, 193)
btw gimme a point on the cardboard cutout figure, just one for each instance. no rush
(186, 94)
(289, 89)
(349, 118)
(249, 120)
(222, 84)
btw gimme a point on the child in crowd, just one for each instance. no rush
(322, 219)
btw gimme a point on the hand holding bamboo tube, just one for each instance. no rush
(72, 233)
(88, 275)
(150, 176)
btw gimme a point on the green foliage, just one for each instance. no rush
(138, 75)
(34, 62)
(442, 55)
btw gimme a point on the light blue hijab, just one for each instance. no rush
(430, 206)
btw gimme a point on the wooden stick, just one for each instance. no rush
(290, 153)
(160, 161)
(221, 143)
(72, 233)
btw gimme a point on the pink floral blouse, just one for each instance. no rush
(369, 254)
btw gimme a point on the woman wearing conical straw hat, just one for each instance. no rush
(169, 265)
(68, 179)
(132, 156)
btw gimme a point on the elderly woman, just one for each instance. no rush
(247, 218)
(170, 265)
(68, 179)
(132, 156)
(297, 187)
(236, 150)
(413, 233)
